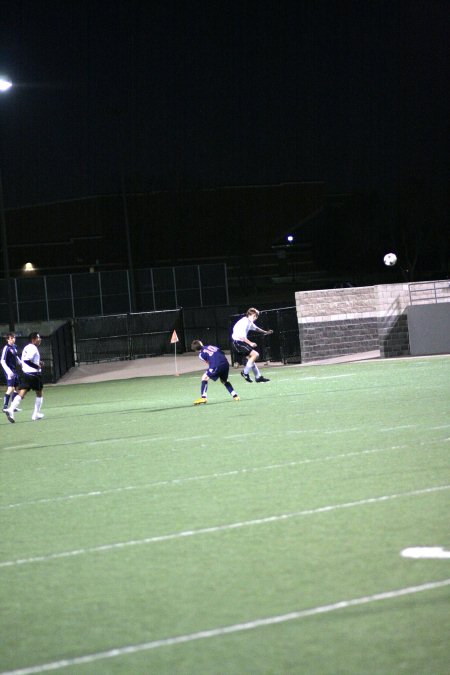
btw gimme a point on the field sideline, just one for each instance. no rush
(141, 534)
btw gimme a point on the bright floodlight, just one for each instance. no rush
(290, 238)
(5, 83)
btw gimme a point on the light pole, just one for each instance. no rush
(5, 85)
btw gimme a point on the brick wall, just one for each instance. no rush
(340, 321)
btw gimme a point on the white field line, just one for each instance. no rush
(325, 377)
(220, 528)
(189, 479)
(109, 441)
(237, 437)
(229, 630)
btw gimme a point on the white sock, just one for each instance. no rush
(16, 402)
(256, 370)
(38, 403)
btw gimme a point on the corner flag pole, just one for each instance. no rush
(173, 341)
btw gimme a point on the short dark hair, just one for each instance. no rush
(8, 335)
(196, 345)
(33, 336)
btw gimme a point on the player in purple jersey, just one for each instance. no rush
(9, 361)
(218, 368)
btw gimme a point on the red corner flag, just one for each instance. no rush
(174, 337)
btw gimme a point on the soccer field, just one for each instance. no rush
(141, 534)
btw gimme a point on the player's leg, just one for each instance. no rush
(7, 397)
(250, 353)
(17, 400)
(203, 390)
(228, 386)
(251, 365)
(37, 415)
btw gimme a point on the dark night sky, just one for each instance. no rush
(354, 93)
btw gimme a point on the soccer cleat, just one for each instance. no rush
(5, 408)
(262, 379)
(10, 416)
(236, 398)
(246, 376)
(199, 401)
(37, 416)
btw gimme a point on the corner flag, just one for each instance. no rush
(174, 337)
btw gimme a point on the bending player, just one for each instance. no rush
(218, 369)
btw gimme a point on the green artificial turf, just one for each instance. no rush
(129, 517)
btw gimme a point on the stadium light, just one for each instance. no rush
(5, 83)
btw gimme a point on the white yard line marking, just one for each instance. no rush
(430, 552)
(229, 630)
(188, 479)
(325, 377)
(26, 446)
(219, 528)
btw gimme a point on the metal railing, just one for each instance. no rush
(429, 292)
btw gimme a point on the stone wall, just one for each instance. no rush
(340, 321)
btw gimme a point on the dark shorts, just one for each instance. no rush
(33, 382)
(219, 373)
(12, 381)
(242, 347)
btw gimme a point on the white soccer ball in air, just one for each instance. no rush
(390, 259)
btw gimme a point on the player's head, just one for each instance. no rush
(196, 345)
(252, 311)
(10, 338)
(35, 338)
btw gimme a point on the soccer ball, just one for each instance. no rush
(390, 259)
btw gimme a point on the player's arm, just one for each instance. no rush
(32, 364)
(261, 330)
(6, 368)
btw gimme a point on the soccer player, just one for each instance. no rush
(10, 360)
(31, 379)
(245, 346)
(218, 368)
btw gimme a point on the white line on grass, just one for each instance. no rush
(219, 528)
(229, 630)
(325, 377)
(208, 476)
(396, 428)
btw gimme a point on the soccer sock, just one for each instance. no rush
(17, 400)
(204, 389)
(229, 388)
(256, 370)
(38, 403)
(6, 400)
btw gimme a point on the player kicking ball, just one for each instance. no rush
(218, 369)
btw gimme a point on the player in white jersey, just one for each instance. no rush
(31, 379)
(245, 346)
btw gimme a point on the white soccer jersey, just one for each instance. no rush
(31, 353)
(242, 327)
